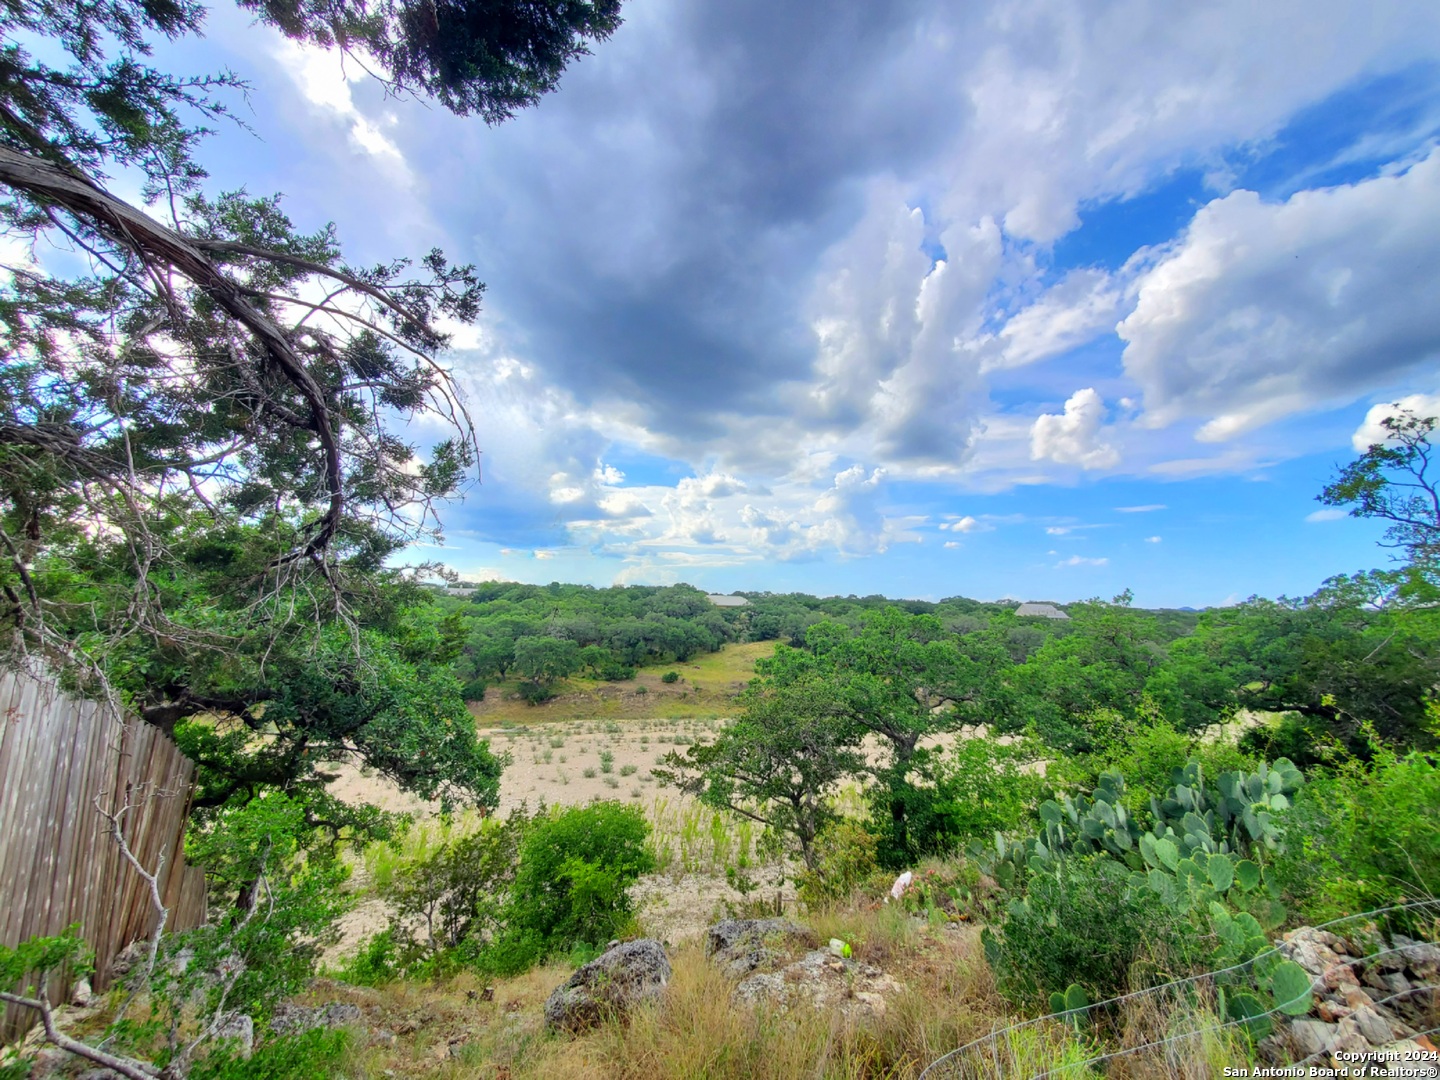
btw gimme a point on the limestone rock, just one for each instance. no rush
(1312, 1037)
(1376, 1030)
(1311, 949)
(741, 946)
(289, 1019)
(823, 981)
(81, 993)
(238, 1026)
(615, 981)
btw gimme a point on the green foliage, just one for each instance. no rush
(450, 897)
(316, 1053)
(375, 963)
(545, 660)
(1362, 836)
(571, 887)
(844, 860)
(534, 693)
(1394, 481)
(38, 956)
(1076, 686)
(976, 787)
(670, 677)
(777, 760)
(1087, 923)
(276, 882)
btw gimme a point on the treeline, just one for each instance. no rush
(1346, 671)
(1353, 652)
(543, 633)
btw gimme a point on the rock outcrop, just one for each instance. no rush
(614, 982)
(740, 946)
(775, 961)
(1370, 996)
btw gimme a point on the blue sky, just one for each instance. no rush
(913, 300)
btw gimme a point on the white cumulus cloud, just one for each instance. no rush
(1074, 437)
(1267, 309)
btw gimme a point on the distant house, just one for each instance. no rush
(728, 601)
(1040, 611)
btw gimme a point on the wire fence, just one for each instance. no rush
(1160, 1031)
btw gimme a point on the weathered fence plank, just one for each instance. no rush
(58, 864)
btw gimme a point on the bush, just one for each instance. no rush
(844, 860)
(1361, 837)
(374, 963)
(533, 693)
(1086, 924)
(670, 677)
(978, 788)
(452, 896)
(572, 886)
(473, 690)
(1307, 741)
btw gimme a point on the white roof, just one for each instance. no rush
(728, 601)
(1043, 611)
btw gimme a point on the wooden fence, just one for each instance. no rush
(58, 863)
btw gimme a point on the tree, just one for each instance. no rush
(545, 660)
(1395, 481)
(899, 677)
(203, 480)
(1102, 663)
(775, 763)
(1343, 658)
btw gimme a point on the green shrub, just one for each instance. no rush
(473, 690)
(1305, 740)
(453, 896)
(670, 677)
(572, 885)
(844, 860)
(533, 693)
(374, 963)
(1087, 923)
(607, 761)
(978, 788)
(1362, 836)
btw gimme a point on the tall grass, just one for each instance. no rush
(686, 837)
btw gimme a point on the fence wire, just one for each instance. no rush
(1142, 1019)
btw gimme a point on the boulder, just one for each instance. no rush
(81, 993)
(614, 982)
(1376, 1030)
(740, 946)
(823, 980)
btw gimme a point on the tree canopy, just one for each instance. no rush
(204, 479)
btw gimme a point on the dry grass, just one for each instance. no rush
(707, 688)
(696, 1031)
(453, 1030)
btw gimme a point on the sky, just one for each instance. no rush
(996, 299)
